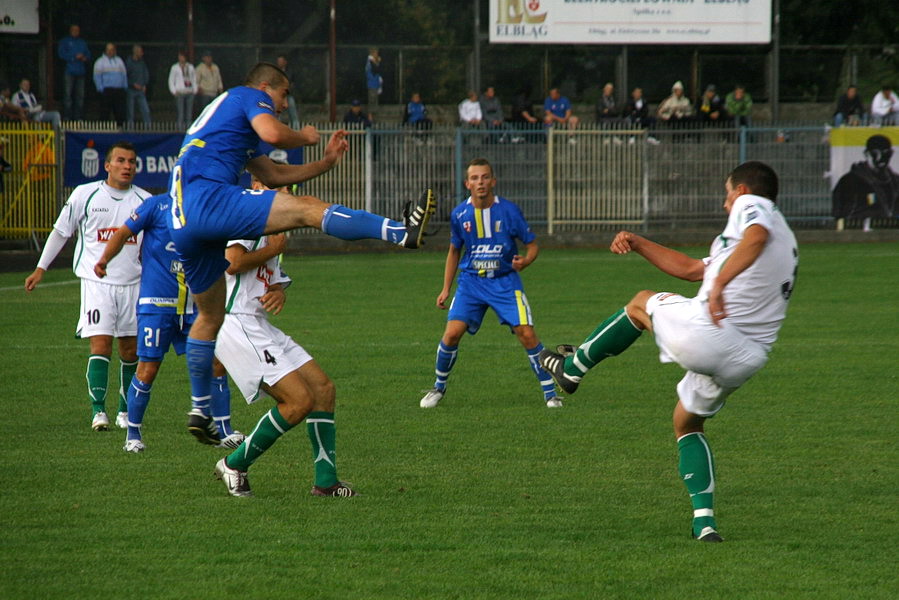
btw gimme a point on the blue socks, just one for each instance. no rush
(199, 367)
(138, 398)
(221, 405)
(346, 224)
(546, 381)
(446, 358)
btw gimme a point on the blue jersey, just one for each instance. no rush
(557, 107)
(221, 141)
(163, 288)
(489, 235)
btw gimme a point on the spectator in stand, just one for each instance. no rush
(636, 111)
(138, 79)
(292, 114)
(710, 107)
(75, 52)
(885, 107)
(523, 109)
(607, 111)
(492, 111)
(738, 104)
(209, 80)
(373, 80)
(850, 110)
(356, 116)
(676, 109)
(111, 79)
(183, 86)
(470, 111)
(417, 113)
(9, 109)
(25, 99)
(557, 111)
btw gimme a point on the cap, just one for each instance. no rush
(355, 102)
(711, 88)
(677, 85)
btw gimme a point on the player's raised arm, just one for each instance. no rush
(275, 175)
(113, 247)
(274, 132)
(672, 262)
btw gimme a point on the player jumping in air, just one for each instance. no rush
(721, 337)
(209, 207)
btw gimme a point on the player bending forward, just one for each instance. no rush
(721, 337)
(209, 207)
(165, 312)
(487, 226)
(261, 358)
(94, 211)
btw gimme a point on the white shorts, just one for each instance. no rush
(718, 360)
(107, 309)
(255, 352)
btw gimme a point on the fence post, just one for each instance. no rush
(368, 169)
(460, 168)
(550, 184)
(743, 138)
(645, 173)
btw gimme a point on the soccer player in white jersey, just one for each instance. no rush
(94, 211)
(721, 337)
(262, 360)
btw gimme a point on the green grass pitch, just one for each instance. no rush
(490, 495)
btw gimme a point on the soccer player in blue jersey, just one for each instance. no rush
(209, 207)
(165, 312)
(487, 226)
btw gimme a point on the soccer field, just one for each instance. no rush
(490, 495)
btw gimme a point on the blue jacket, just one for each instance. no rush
(372, 77)
(68, 48)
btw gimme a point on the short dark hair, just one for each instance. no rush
(478, 162)
(264, 71)
(124, 145)
(758, 177)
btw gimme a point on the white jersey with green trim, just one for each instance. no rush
(245, 289)
(94, 211)
(756, 299)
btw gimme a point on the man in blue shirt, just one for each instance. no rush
(487, 226)
(209, 207)
(75, 52)
(165, 312)
(111, 79)
(557, 111)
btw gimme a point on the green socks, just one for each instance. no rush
(126, 374)
(270, 427)
(322, 434)
(697, 469)
(611, 338)
(97, 379)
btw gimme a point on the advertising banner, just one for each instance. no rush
(864, 172)
(156, 156)
(630, 21)
(19, 16)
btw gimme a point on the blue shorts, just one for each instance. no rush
(207, 215)
(505, 295)
(157, 331)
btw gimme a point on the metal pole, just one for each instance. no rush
(775, 64)
(190, 30)
(477, 46)
(332, 84)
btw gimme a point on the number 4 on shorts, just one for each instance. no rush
(269, 358)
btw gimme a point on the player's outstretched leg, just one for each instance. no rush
(611, 338)
(347, 224)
